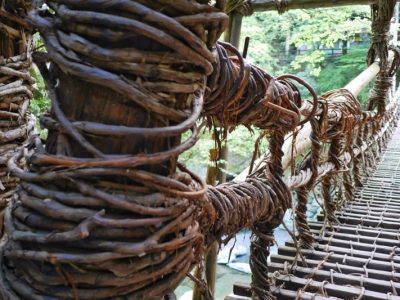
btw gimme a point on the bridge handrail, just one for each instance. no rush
(303, 178)
(302, 139)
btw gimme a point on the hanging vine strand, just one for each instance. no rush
(382, 13)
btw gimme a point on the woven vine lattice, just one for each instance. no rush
(16, 89)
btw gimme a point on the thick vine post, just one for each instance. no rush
(16, 89)
(104, 210)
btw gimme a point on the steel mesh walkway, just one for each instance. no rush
(356, 258)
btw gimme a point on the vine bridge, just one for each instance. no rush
(101, 208)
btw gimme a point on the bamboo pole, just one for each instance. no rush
(268, 5)
(232, 35)
(303, 141)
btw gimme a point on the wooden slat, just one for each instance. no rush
(339, 258)
(356, 245)
(375, 212)
(338, 267)
(369, 221)
(266, 5)
(353, 252)
(341, 291)
(362, 230)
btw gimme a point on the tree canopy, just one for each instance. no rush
(275, 38)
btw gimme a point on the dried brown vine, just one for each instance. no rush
(16, 88)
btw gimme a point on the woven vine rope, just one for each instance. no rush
(380, 92)
(382, 13)
(16, 89)
(340, 119)
(241, 93)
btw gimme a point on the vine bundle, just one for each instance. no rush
(16, 89)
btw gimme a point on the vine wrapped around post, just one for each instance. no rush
(16, 89)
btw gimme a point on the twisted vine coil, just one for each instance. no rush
(16, 89)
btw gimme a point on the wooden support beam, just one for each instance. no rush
(268, 5)
(232, 35)
(213, 172)
(361, 81)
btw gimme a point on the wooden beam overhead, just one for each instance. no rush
(267, 5)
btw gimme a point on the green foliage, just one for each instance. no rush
(41, 100)
(198, 157)
(325, 27)
(310, 62)
(241, 147)
(341, 70)
(275, 38)
(263, 37)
